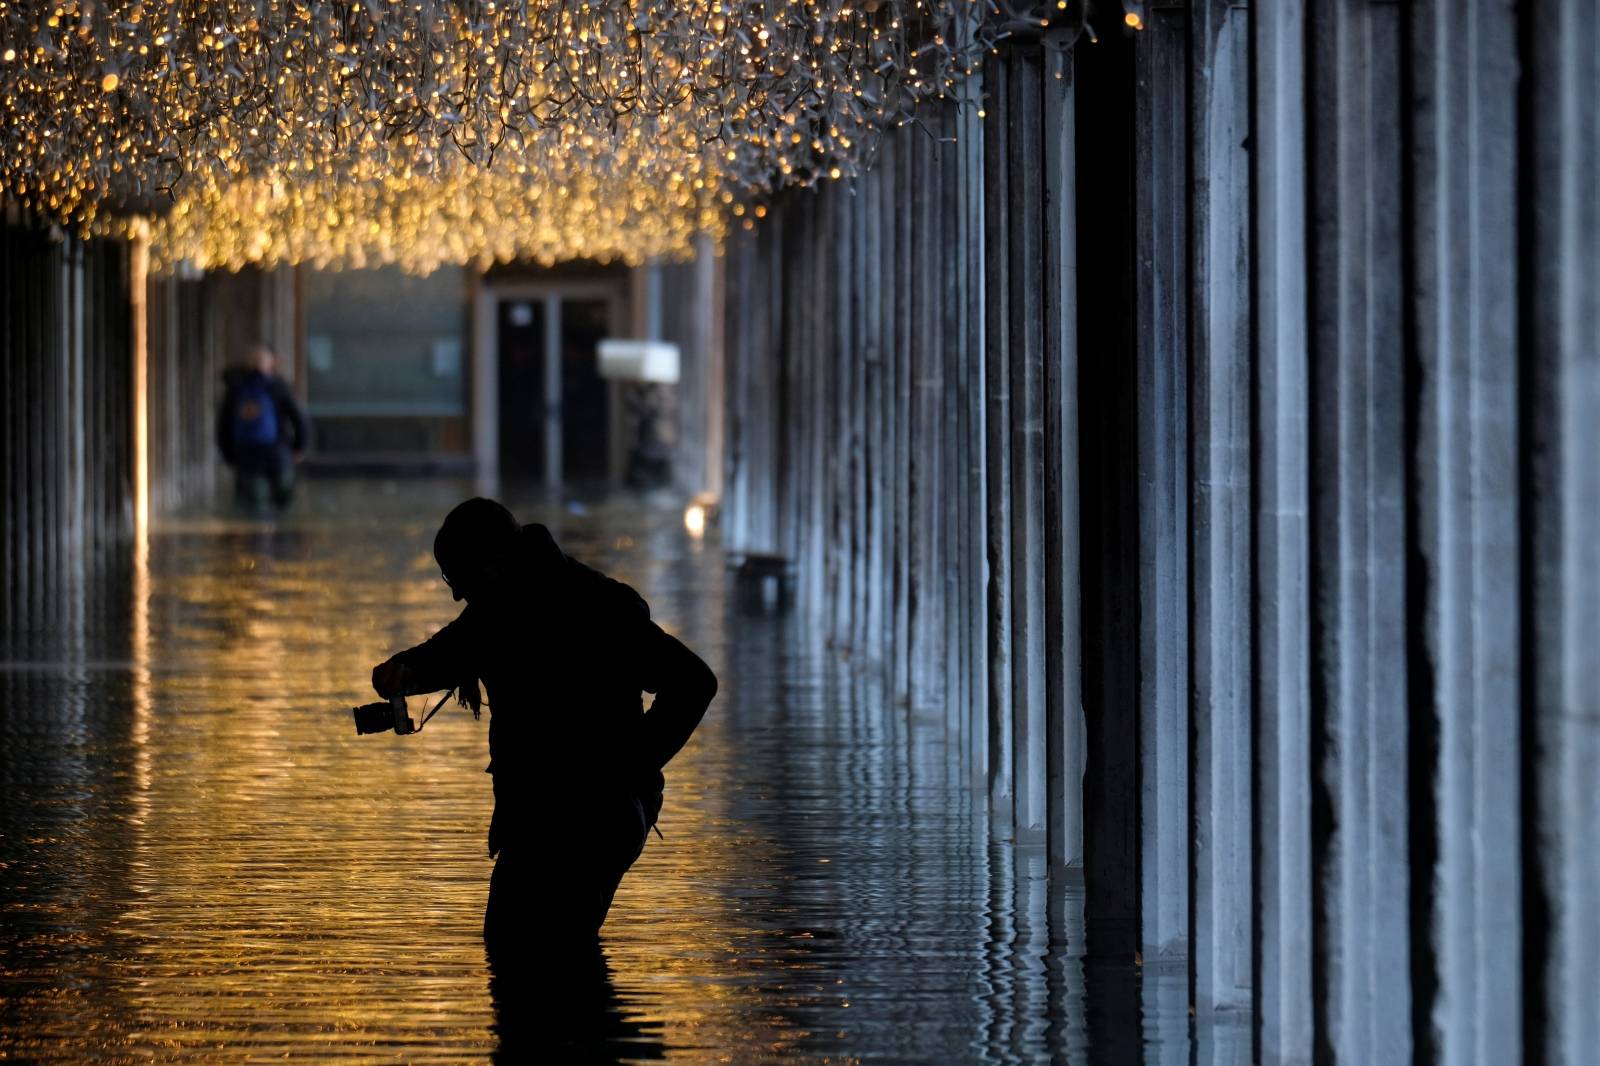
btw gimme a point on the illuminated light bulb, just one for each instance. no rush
(417, 97)
(694, 520)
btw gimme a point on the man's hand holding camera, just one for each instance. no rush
(393, 681)
(391, 678)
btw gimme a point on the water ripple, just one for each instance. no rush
(200, 861)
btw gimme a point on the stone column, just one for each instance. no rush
(970, 140)
(1281, 605)
(1104, 116)
(1025, 306)
(1063, 682)
(1220, 494)
(1465, 632)
(1161, 205)
(1560, 357)
(997, 449)
(1359, 688)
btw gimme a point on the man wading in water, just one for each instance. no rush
(565, 653)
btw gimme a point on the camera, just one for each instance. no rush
(381, 717)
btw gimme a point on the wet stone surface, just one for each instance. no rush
(201, 861)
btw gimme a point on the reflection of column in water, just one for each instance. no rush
(869, 776)
(905, 873)
(132, 920)
(927, 745)
(140, 654)
(1223, 1039)
(1030, 952)
(66, 829)
(1033, 983)
(1164, 999)
(1067, 1033)
(1111, 1009)
(994, 980)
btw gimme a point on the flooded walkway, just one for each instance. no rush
(200, 860)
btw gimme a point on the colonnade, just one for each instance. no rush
(66, 441)
(1204, 423)
(108, 408)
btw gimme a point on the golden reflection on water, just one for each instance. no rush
(201, 861)
(285, 885)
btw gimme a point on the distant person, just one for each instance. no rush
(564, 653)
(261, 432)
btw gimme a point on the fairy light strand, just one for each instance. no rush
(613, 116)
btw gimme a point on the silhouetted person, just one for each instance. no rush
(564, 653)
(261, 431)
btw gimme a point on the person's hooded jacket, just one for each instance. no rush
(563, 662)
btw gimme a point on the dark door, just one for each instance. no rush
(521, 341)
(585, 395)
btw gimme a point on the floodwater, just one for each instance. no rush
(200, 861)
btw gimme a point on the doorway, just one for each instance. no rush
(542, 411)
(585, 395)
(521, 330)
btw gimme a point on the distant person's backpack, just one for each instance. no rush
(253, 413)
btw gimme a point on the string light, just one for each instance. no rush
(606, 127)
(457, 214)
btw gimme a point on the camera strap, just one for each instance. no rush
(435, 710)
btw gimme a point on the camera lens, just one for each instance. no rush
(373, 718)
